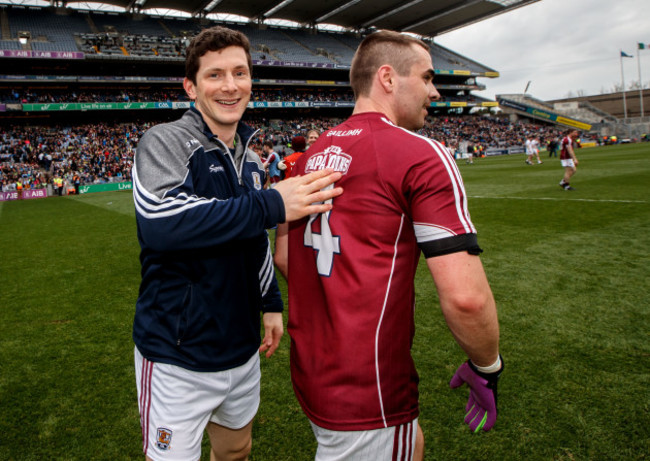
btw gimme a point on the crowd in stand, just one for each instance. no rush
(32, 157)
(101, 153)
(28, 96)
(85, 95)
(485, 132)
(134, 44)
(66, 96)
(289, 94)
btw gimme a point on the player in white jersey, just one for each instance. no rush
(529, 150)
(351, 270)
(534, 145)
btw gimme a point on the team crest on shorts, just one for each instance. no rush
(164, 438)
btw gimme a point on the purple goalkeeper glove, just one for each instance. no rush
(482, 405)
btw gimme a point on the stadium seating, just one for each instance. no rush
(145, 36)
(10, 45)
(180, 27)
(277, 44)
(117, 23)
(448, 60)
(46, 34)
(324, 44)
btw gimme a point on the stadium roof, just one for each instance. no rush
(423, 17)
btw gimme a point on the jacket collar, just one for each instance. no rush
(244, 131)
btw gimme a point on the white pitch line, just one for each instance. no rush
(557, 199)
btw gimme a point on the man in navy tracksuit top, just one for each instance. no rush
(207, 269)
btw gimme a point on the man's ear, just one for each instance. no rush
(189, 88)
(386, 78)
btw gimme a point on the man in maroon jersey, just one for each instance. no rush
(568, 158)
(351, 270)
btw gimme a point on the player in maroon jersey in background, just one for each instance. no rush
(568, 158)
(351, 270)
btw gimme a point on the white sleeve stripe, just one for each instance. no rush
(429, 232)
(151, 207)
(267, 260)
(461, 200)
(462, 185)
(454, 175)
(266, 272)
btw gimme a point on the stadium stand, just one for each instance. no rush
(141, 35)
(10, 45)
(325, 44)
(278, 44)
(46, 34)
(528, 100)
(103, 152)
(179, 27)
(119, 24)
(300, 82)
(72, 93)
(447, 59)
(584, 110)
(529, 107)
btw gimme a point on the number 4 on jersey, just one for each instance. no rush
(326, 244)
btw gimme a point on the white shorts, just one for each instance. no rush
(176, 404)
(396, 443)
(568, 162)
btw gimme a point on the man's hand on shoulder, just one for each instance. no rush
(305, 195)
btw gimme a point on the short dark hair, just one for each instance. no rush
(214, 39)
(298, 144)
(268, 143)
(378, 49)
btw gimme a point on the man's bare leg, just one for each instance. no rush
(418, 452)
(230, 444)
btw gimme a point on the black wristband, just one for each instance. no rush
(490, 377)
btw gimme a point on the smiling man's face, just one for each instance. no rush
(222, 89)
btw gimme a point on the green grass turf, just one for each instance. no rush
(569, 271)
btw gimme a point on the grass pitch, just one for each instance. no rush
(569, 271)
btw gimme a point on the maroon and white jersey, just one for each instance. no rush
(564, 152)
(351, 270)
